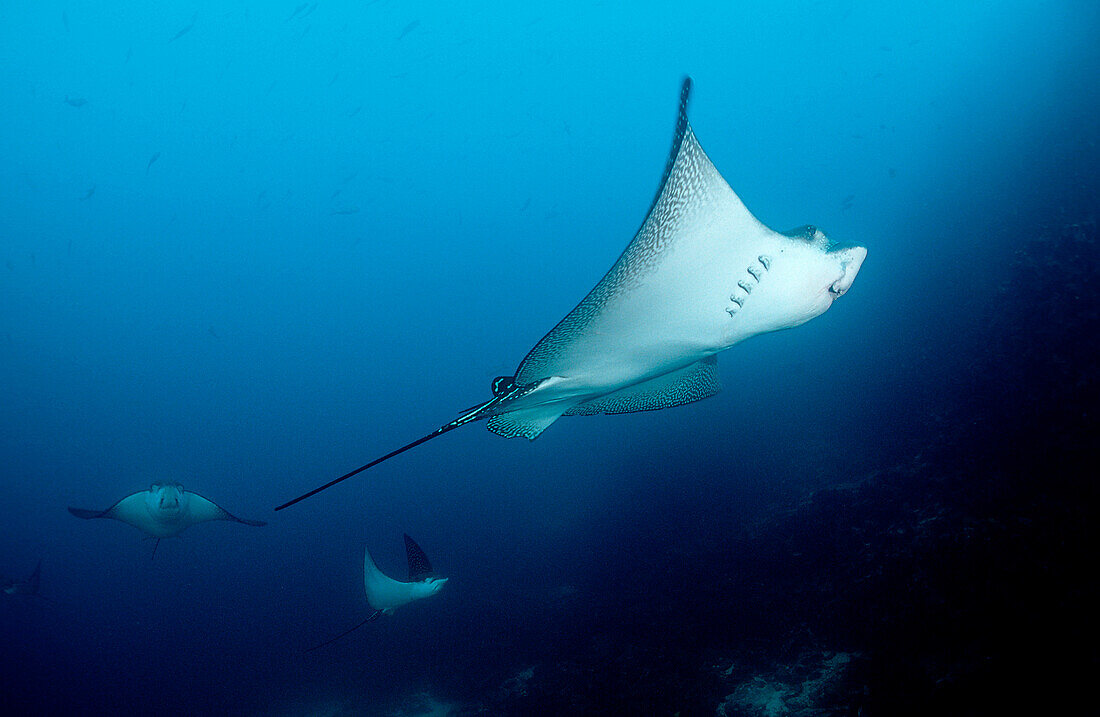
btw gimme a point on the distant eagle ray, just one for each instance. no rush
(384, 594)
(701, 275)
(164, 511)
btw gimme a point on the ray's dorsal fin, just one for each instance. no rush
(419, 567)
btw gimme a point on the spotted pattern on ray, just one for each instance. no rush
(683, 193)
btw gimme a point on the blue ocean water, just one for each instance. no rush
(249, 247)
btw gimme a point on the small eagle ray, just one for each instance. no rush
(164, 511)
(384, 594)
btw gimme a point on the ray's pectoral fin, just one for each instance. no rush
(687, 385)
(204, 509)
(419, 567)
(87, 514)
(124, 510)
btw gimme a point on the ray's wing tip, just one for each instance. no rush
(685, 97)
(85, 513)
(419, 565)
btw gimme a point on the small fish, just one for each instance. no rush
(409, 28)
(296, 11)
(75, 101)
(154, 158)
(91, 191)
(346, 211)
(212, 332)
(185, 30)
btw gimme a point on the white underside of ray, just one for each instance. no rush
(143, 511)
(386, 594)
(135, 510)
(661, 308)
(701, 275)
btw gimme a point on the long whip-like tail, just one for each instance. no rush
(350, 630)
(471, 415)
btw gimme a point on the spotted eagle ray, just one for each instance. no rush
(701, 274)
(163, 511)
(384, 594)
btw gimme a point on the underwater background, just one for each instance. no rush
(251, 246)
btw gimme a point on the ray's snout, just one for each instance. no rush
(850, 259)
